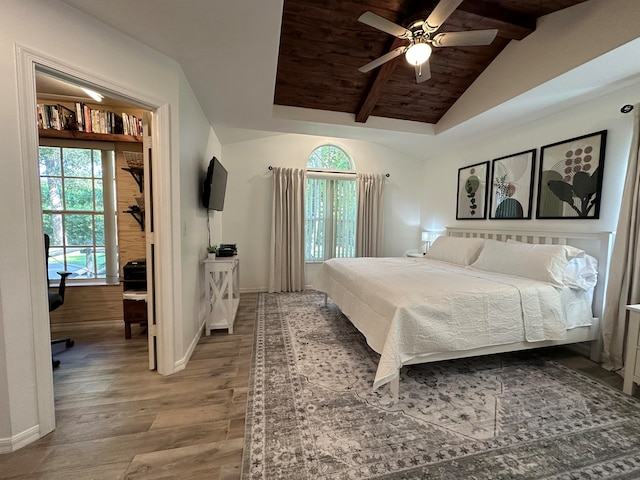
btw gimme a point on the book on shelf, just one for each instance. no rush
(83, 118)
(57, 117)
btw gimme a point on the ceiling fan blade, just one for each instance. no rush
(440, 14)
(423, 72)
(383, 59)
(460, 39)
(376, 21)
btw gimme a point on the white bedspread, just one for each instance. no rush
(411, 307)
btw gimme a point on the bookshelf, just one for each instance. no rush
(77, 120)
(77, 135)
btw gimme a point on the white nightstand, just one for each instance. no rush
(632, 358)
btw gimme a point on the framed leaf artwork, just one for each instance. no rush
(512, 186)
(570, 180)
(472, 192)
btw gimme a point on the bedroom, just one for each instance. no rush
(417, 184)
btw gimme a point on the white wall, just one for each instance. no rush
(197, 140)
(87, 46)
(247, 212)
(440, 174)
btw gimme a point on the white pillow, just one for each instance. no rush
(459, 250)
(581, 273)
(545, 263)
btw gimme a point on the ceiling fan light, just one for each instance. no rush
(418, 53)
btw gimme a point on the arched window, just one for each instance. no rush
(330, 157)
(330, 205)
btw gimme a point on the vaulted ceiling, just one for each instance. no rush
(322, 45)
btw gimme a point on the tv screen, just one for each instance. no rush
(215, 185)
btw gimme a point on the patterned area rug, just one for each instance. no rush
(312, 413)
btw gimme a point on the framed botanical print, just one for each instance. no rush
(512, 186)
(472, 192)
(570, 179)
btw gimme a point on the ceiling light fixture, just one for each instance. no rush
(95, 95)
(418, 53)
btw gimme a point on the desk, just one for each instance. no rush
(632, 356)
(222, 278)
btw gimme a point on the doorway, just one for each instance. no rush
(93, 184)
(28, 62)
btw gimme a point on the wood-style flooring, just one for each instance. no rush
(117, 420)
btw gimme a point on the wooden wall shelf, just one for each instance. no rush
(76, 135)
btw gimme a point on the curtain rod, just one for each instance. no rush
(332, 171)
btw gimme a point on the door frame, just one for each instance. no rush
(27, 61)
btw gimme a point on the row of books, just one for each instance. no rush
(86, 119)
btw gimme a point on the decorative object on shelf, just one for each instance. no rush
(512, 186)
(134, 159)
(472, 192)
(570, 180)
(212, 250)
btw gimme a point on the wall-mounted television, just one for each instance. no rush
(214, 186)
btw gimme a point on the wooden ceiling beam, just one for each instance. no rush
(373, 92)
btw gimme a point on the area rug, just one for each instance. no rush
(312, 413)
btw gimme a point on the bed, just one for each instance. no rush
(476, 292)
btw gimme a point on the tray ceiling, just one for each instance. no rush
(322, 45)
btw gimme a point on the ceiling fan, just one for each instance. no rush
(420, 35)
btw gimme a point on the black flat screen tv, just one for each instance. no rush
(214, 186)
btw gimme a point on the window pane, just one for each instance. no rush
(97, 163)
(99, 230)
(51, 192)
(344, 213)
(101, 269)
(79, 230)
(329, 157)
(316, 216)
(97, 185)
(78, 194)
(55, 263)
(49, 160)
(77, 162)
(80, 262)
(52, 225)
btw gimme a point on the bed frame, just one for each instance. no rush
(597, 244)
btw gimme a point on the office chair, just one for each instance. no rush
(56, 299)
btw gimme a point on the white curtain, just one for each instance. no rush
(624, 272)
(286, 265)
(369, 225)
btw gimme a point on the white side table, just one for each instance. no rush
(632, 357)
(222, 276)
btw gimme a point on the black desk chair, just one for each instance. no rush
(56, 299)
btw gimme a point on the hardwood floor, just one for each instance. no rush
(117, 420)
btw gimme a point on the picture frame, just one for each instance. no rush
(472, 192)
(570, 178)
(512, 178)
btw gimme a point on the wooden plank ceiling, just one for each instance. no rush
(322, 45)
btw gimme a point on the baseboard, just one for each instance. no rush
(8, 445)
(253, 290)
(182, 363)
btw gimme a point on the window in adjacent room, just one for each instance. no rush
(77, 184)
(330, 205)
